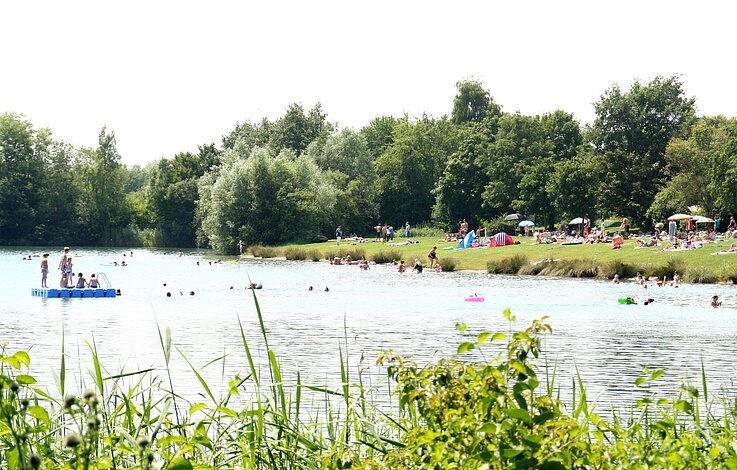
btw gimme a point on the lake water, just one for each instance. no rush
(414, 314)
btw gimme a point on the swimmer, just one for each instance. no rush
(310, 289)
(649, 301)
(327, 290)
(81, 282)
(616, 279)
(231, 287)
(117, 292)
(715, 302)
(631, 300)
(191, 292)
(168, 294)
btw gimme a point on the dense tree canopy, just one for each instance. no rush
(645, 156)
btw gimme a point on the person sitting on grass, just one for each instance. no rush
(617, 241)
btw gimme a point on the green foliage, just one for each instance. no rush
(507, 265)
(257, 198)
(624, 270)
(409, 169)
(297, 254)
(260, 251)
(701, 275)
(473, 103)
(632, 131)
(383, 257)
(449, 264)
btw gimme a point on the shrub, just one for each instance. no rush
(449, 264)
(625, 271)
(422, 230)
(671, 266)
(538, 267)
(701, 275)
(314, 255)
(383, 257)
(294, 253)
(260, 251)
(509, 265)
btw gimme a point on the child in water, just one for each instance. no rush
(715, 302)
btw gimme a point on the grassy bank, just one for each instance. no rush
(501, 413)
(600, 260)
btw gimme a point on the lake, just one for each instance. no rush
(370, 311)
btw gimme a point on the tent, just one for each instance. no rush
(500, 239)
(467, 241)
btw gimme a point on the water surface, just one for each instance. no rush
(367, 311)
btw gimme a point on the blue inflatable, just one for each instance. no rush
(467, 241)
(76, 293)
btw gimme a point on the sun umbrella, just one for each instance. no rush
(576, 221)
(702, 220)
(526, 223)
(514, 216)
(680, 217)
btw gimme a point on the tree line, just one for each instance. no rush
(645, 156)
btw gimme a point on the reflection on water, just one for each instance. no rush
(370, 311)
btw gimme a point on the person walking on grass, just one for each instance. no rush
(338, 235)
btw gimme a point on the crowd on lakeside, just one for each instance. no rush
(689, 234)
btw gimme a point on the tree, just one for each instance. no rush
(296, 130)
(410, 168)
(473, 103)
(379, 134)
(634, 128)
(520, 142)
(21, 180)
(258, 198)
(563, 132)
(348, 165)
(102, 208)
(459, 191)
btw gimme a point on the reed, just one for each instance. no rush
(383, 257)
(449, 264)
(508, 265)
(260, 251)
(297, 254)
(504, 414)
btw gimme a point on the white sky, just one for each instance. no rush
(167, 76)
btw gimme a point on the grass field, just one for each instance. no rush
(648, 260)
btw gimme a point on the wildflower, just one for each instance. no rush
(93, 422)
(88, 395)
(14, 387)
(25, 402)
(72, 440)
(69, 401)
(143, 441)
(35, 460)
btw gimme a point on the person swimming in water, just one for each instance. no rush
(715, 302)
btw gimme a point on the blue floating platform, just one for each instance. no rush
(76, 293)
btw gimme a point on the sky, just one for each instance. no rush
(167, 76)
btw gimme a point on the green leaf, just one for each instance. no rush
(465, 347)
(22, 356)
(179, 463)
(25, 379)
(460, 326)
(640, 380)
(488, 428)
(12, 456)
(12, 361)
(197, 407)
(657, 374)
(519, 414)
(483, 337)
(39, 413)
(511, 453)
(683, 405)
(499, 337)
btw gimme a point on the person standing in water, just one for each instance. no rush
(44, 269)
(432, 256)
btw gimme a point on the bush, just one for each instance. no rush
(509, 265)
(701, 275)
(314, 255)
(355, 253)
(672, 266)
(542, 266)
(260, 251)
(422, 230)
(383, 257)
(294, 253)
(449, 264)
(625, 271)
